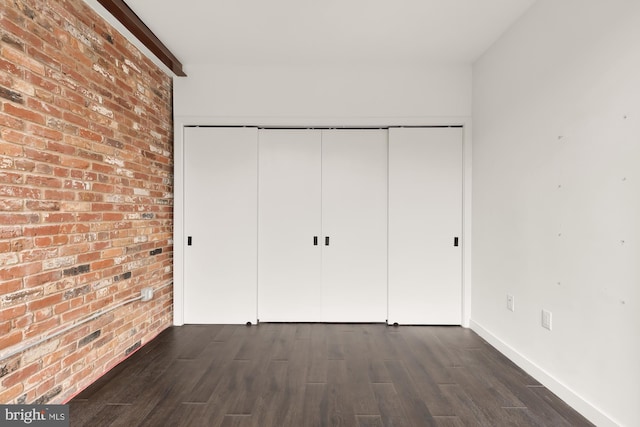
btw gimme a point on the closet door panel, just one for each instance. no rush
(220, 216)
(289, 218)
(354, 217)
(425, 216)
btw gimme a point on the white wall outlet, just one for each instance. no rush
(511, 304)
(146, 294)
(546, 319)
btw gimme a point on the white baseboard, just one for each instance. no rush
(588, 410)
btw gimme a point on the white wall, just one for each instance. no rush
(556, 223)
(337, 92)
(321, 95)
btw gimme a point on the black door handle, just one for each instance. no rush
(326, 241)
(189, 241)
(455, 241)
(315, 240)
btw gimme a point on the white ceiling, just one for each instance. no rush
(326, 31)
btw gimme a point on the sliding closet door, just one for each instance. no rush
(425, 219)
(221, 186)
(354, 219)
(289, 220)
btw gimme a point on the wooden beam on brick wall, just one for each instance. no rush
(127, 17)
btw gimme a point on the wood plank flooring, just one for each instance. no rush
(361, 375)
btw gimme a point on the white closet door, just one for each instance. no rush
(354, 217)
(289, 218)
(425, 216)
(221, 219)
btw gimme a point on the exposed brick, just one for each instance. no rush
(76, 270)
(42, 278)
(48, 396)
(45, 302)
(11, 339)
(132, 348)
(13, 312)
(21, 59)
(43, 230)
(11, 393)
(39, 328)
(75, 313)
(9, 366)
(20, 375)
(92, 336)
(81, 189)
(20, 271)
(20, 296)
(73, 293)
(10, 286)
(23, 113)
(11, 95)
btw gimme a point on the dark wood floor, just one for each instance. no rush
(319, 375)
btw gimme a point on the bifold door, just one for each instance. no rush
(221, 193)
(289, 226)
(425, 225)
(322, 225)
(354, 217)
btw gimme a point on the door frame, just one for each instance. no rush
(181, 122)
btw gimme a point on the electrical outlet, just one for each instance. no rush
(546, 319)
(511, 304)
(146, 294)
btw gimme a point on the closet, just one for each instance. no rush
(323, 225)
(425, 226)
(220, 225)
(322, 239)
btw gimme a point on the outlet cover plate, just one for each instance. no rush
(546, 319)
(511, 303)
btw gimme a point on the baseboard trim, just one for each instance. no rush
(588, 410)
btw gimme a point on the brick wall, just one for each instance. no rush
(85, 197)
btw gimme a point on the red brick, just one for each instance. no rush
(46, 84)
(40, 328)
(74, 357)
(88, 257)
(59, 195)
(61, 148)
(42, 230)
(13, 312)
(60, 240)
(16, 218)
(20, 375)
(43, 241)
(21, 59)
(40, 181)
(54, 144)
(44, 107)
(42, 278)
(23, 113)
(9, 395)
(8, 149)
(58, 217)
(62, 307)
(11, 339)
(42, 205)
(10, 286)
(74, 162)
(20, 271)
(75, 313)
(41, 156)
(11, 205)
